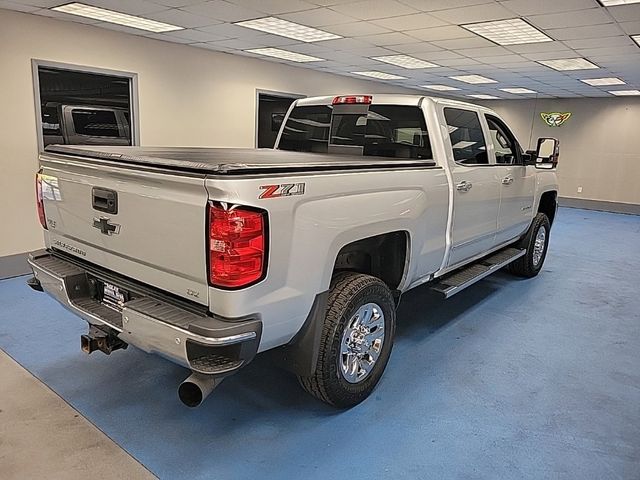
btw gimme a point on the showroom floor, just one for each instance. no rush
(510, 379)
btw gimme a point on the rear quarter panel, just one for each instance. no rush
(306, 232)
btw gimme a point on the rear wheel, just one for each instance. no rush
(536, 242)
(356, 343)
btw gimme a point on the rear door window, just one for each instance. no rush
(467, 138)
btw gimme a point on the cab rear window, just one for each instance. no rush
(393, 131)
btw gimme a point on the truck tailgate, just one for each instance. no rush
(156, 235)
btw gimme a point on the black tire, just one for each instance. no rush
(348, 293)
(526, 266)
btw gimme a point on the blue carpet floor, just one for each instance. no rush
(525, 379)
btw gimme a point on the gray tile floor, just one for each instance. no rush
(42, 436)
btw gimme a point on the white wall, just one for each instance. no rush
(599, 144)
(188, 96)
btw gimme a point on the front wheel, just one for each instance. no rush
(357, 337)
(536, 242)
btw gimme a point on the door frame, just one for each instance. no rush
(259, 91)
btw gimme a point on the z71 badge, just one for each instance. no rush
(283, 190)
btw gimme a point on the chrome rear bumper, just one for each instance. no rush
(203, 343)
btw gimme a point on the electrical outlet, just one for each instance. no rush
(580, 189)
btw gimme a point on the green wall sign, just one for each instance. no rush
(555, 119)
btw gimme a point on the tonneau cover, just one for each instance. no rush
(232, 161)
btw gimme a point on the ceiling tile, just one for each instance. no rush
(420, 47)
(356, 29)
(318, 17)
(221, 10)
(460, 43)
(594, 16)
(626, 13)
(182, 18)
(196, 35)
(374, 9)
(410, 22)
(393, 38)
(433, 5)
(20, 7)
(529, 7)
(632, 28)
(485, 51)
(274, 7)
(538, 47)
(441, 33)
(473, 14)
(622, 40)
(177, 3)
(594, 31)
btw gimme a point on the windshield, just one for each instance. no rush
(393, 131)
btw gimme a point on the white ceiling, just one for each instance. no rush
(426, 29)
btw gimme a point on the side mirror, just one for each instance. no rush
(547, 153)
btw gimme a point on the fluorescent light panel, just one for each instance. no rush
(111, 16)
(625, 93)
(285, 55)
(440, 88)
(615, 3)
(636, 38)
(482, 96)
(598, 82)
(518, 90)
(405, 61)
(514, 31)
(566, 64)
(473, 79)
(380, 75)
(284, 28)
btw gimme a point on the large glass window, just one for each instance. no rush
(81, 107)
(467, 138)
(385, 131)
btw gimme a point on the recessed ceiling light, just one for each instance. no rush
(569, 64)
(615, 3)
(405, 61)
(518, 90)
(636, 38)
(474, 79)
(111, 16)
(380, 75)
(285, 55)
(597, 82)
(440, 88)
(482, 96)
(625, 93)
(277, 26)
(514, 31)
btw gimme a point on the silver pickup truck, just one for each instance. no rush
(208, 256)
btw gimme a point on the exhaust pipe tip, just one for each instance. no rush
(196, 388)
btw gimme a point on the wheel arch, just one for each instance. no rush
(548, 204)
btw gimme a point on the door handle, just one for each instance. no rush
(508, 180)
(464, 186)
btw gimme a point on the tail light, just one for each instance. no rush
(352, 99)
(237, 246)
(40, 201)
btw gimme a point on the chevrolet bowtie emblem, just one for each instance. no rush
(105, 226)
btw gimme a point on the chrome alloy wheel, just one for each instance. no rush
(361, 343)
(538, 246)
